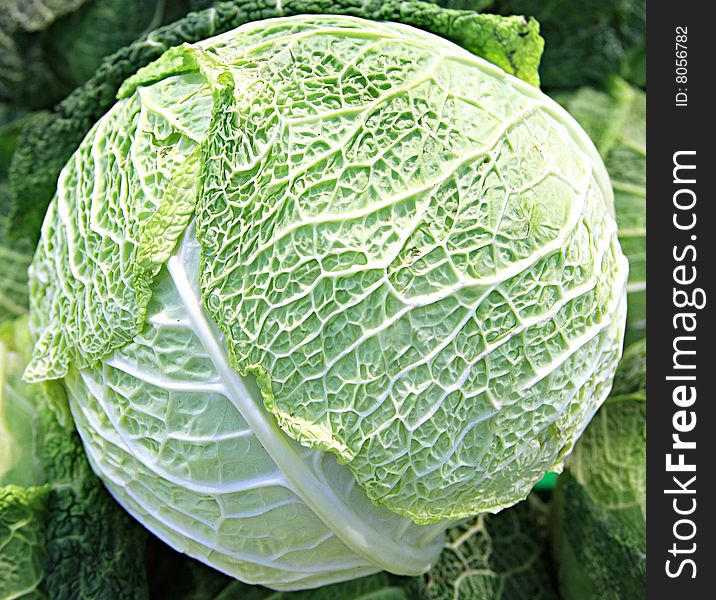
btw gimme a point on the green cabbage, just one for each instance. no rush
(62, 536)
(318, 285)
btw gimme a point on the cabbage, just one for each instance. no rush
(318, 286)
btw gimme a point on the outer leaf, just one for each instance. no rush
(96, 301)
(15, 257)
(48, 47)
(22, 542)
(599, 513)
(75, 48)
(595, 538)
(588, 43)
(631, 372)
(15, 252)
(493, 557)
(11, 123)
(512, 43)
(185, 445)
(61, 535)
(610, 460)
(47, 145)
(94, 549)
(348, 264)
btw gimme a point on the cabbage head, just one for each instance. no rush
(318, 286)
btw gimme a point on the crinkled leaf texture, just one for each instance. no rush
(317, 275)
(599, 512)
(48, 140)
(614, 116)
(586, 43)
(493, 557)
(182, 441)
(61, 534)
(15, 250)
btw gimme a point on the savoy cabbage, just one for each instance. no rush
(297, 274)
(490, 557)
(62, 536)
(194, 442)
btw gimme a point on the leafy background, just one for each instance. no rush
(62, 536)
